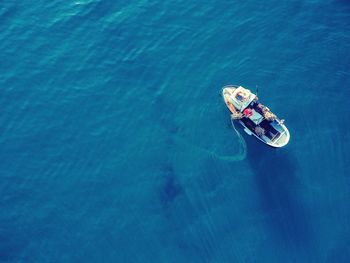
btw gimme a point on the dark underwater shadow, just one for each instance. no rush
(171, 188)
(276, 180)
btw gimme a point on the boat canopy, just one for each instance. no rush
(241, 98)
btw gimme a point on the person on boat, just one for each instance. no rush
(268, 115)
(259, 131)
(265, 111)
(235, 113)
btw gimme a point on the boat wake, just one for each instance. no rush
(239, 156)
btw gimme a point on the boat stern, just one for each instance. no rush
(283, 138)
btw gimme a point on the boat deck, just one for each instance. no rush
(270, 132)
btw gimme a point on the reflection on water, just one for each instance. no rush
(277, 186)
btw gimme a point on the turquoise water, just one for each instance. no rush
(116, 145)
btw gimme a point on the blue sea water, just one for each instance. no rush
(117, 147)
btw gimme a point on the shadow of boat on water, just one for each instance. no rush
(277, 184)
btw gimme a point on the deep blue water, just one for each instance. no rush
(116, 145)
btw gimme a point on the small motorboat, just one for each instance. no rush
(256, 118)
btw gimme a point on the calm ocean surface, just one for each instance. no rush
(116, 145)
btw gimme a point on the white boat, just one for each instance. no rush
(256, 118)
